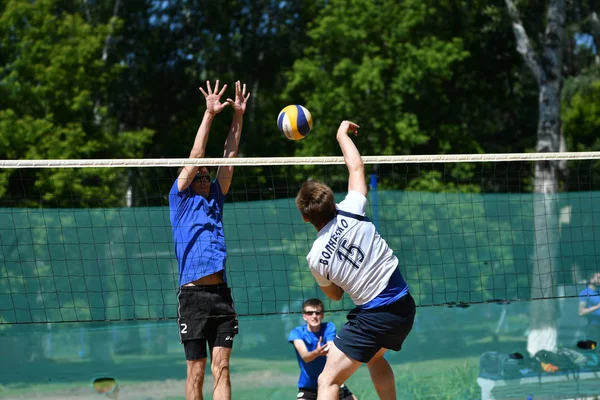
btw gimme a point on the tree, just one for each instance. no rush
(171, 48)
(546, 66)
(418, 82)
(54, 86)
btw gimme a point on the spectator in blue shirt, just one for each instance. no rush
(205, 312)
(589, 307)
(312, 342)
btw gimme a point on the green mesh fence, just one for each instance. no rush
(118, 264)
(61, 268)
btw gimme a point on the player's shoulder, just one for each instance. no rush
(296, 334)
(585, 292)
(299, 330)
(328, 326)
(354, 202)
(176, 196)
(174, 188)
(321, 240)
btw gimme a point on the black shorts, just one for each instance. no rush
(311, 394)
(368, 331)
(205, 315)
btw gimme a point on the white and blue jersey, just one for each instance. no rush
(350, 253)
(198, 232)
(309, 372)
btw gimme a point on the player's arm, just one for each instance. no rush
(225, 173)
(333, 291)
(308, 356)
(583, 310)
(213, 107)
(356, 168)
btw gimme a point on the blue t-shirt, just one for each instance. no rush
(309, 372)
(591, 298)
(198, 232)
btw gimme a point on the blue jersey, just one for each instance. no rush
(309, 372)
(198, 232)
(591, 298)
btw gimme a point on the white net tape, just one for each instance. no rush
(256, 161)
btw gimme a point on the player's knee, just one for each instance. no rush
(219, 367)
(324, 381)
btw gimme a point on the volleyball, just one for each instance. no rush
(294, 122)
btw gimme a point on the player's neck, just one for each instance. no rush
(591, 286)
(313, 329)
(319, 227)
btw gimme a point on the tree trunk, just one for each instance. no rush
(547, 71)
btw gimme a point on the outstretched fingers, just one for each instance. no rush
(210, 91)
(241, 97)
(222, 90)
(213, 97)
(245, 95)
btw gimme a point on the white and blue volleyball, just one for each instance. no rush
(294, 122)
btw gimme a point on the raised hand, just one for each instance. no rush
(241, 98)
(213, 98)
(347, 126)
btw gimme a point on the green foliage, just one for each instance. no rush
(415, 76)
(581, 118)
(54, 85)
(373, 73)
(581, 112)
(172, 47)
(420, 77)
(435, 181)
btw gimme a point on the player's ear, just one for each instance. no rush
(305, 219)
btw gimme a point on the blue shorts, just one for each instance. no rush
(368, 331)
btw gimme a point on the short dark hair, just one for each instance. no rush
(314, 303)
(316, 203)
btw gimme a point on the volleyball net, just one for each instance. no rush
(91, 240)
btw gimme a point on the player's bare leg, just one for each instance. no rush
(195, 379)
(219, 366)
(382, 376)
(338, 368)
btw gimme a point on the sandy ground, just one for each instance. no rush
(169, 389)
